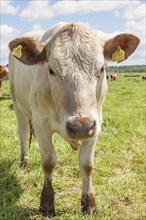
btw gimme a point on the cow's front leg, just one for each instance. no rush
(49, 161)
(47, 196)
(86, 155)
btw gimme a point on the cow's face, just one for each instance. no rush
(76, 72)
(75, 62)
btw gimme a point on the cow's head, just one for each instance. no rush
(75, 58)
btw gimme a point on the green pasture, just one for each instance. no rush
(119, 169)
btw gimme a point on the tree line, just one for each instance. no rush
(126, 69)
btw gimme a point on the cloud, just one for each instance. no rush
(8, 8)
(70, 7)
(37, 27)
(134, 16)
(7, 33)
(135, 13)
(117, 13)
(37, 10)
(137, 27)
(135, 19)
(131, 12)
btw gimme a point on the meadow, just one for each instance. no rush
(119, 168)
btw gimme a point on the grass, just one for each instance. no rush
(119, 169)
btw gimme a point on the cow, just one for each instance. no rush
(59, 83)
(143, 77)
(113, 76)
(3, 76)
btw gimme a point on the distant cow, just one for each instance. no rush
(59, 83)
(113, 76)
(3, 76)
(143, 77)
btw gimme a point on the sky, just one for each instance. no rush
(108, 17)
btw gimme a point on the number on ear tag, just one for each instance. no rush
(17, 51)
(118, 55)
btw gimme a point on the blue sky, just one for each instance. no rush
(110, 17)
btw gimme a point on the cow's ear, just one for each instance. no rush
(27, 50)
(120, 47)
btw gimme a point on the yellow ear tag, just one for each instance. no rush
(17, 51)
(118, 55)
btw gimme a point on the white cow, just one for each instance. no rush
(59, 83)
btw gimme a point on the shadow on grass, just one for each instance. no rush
(11, 107)
(10, 192)
(5, 97)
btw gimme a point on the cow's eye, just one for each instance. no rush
(51, 72)
(102, 70)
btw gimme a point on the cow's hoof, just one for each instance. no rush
(47, 212)
(25, 163)
(90, 210)
(88, 204)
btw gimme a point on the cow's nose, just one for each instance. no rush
(81, 128)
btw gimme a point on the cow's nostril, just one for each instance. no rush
(92, 129)
(71, 128)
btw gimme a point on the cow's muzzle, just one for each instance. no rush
(81, 128)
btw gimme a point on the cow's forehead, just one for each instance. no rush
(77, 44)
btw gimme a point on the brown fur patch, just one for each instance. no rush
(88, 204)
(88, 169)
(47, 200)
(49, 165)
(3, 72)
(127, 42)
(32, 51)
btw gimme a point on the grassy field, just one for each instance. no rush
(118, 176)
